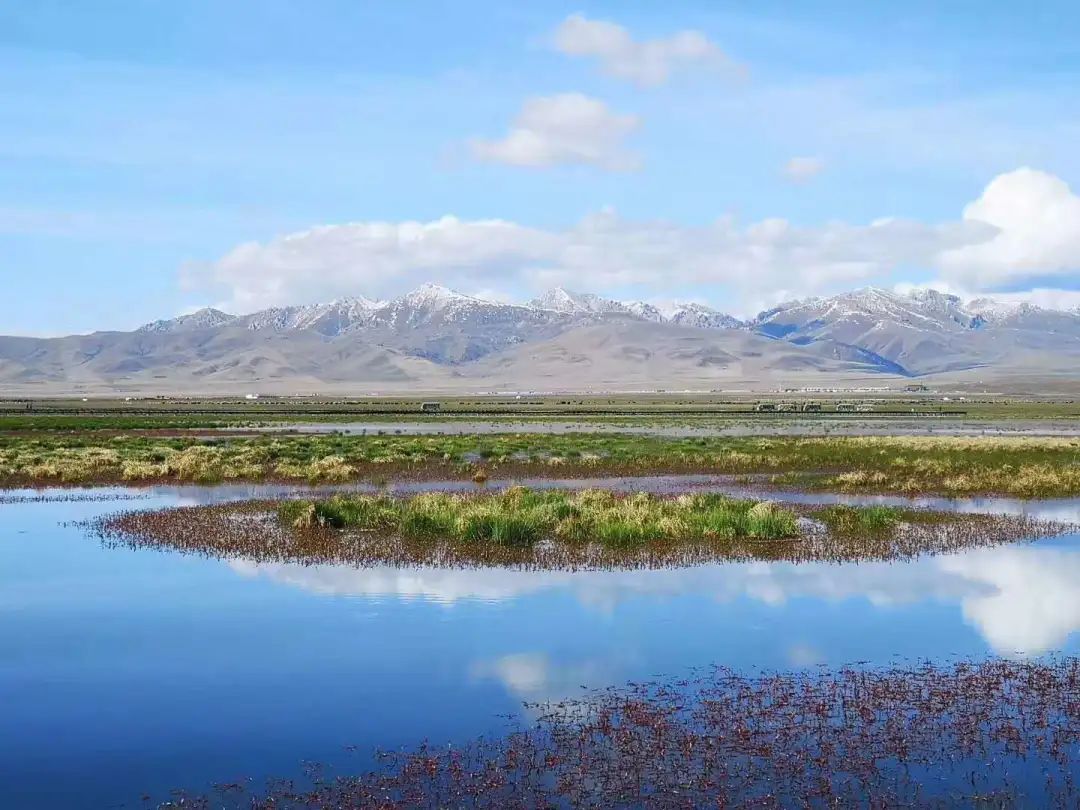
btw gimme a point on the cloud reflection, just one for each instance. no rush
(1030, 602)
(1021, 599)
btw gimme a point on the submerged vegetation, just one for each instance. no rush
(1025, 467)
(994, 733)
(523, 528)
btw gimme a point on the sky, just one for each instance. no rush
(157, 157)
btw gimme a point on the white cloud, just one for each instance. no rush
(1022, 235)
(375, 258)
(647, 63)
(569, 128)
(756, 263)
(801, 169)
(1038, 220)
(1041, 297)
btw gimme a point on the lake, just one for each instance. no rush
(129, 672)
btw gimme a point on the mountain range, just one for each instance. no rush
(434, 339)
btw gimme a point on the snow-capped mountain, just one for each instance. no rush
(685, 314)
(572, 303)
(701, 317)
(923, 331)
(920, 309)
(568, 303)
(327, 319)
(923, 309)
(433, 333)
(205, 318)
(447, 326)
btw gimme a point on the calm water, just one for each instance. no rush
(127, 672)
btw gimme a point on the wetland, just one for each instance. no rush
(952, 465)
(537, 619)
(235, 668)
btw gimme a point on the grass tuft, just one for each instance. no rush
(520, 517)
(851, 520)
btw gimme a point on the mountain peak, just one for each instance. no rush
(435, 330)
(436, 296)
(205, 318)
(563, 300)
(358, 302)
(691, 313)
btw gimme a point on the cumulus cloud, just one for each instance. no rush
(570, 128)
(374, 258)
(801, 169)
(1021, 236)
(1037, 217)
(757, 263)
(647, 63)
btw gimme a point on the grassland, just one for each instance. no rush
(907, 465)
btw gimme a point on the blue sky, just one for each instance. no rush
(142, 142)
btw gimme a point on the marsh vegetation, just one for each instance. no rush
(994, 733)
(590, 529)
(520, 516)
(1026, 467)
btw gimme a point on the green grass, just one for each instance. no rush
(842, 519)
(521, 517)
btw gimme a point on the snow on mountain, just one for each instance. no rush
(917, 332)
(646, 312)
(1025, 316)
(434, 335)
(436, 296)
(571, 303)
(701, 317)
(920, 309)
(921, 332)
(685, 314)
(329, 319)
(205, 318)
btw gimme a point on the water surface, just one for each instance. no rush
(125, 672)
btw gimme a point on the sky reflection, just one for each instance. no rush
(128, 671)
